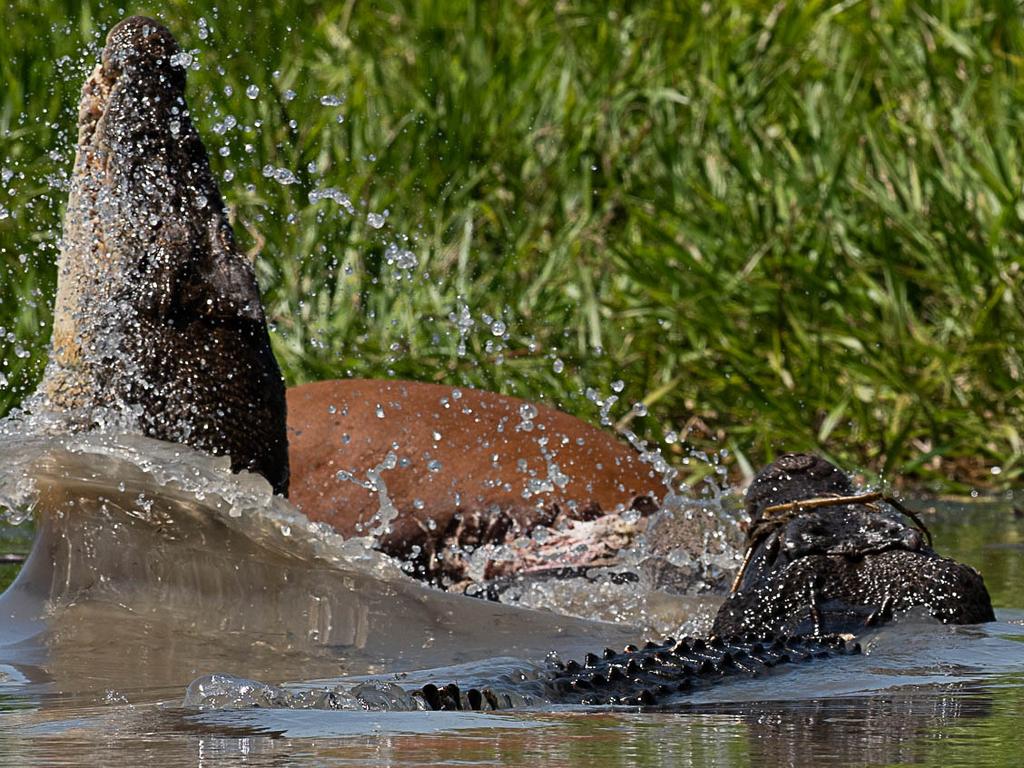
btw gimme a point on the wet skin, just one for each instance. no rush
(158, 315)
(836, 568)
(468, 466)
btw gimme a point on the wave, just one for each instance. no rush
(153, 564)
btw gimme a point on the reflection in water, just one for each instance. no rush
(883, 729)
(951, 726)
(154, 566)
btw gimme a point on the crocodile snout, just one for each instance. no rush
(139, 44)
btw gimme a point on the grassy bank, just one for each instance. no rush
(796, 226)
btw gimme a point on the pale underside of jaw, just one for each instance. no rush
(88, 267)
(93, 105)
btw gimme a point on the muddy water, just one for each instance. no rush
(153, 566)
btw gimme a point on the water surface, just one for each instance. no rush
(154, 566)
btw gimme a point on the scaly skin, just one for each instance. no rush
(158, 318)
(833, 568)
(654, 675)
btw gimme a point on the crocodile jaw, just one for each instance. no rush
(157, 320)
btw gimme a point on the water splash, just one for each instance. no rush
(375, 483)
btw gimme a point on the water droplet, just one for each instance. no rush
(464, 322)
(558, 366)
(379, 411)
(639, 409)
(284, 176)
(618, 385)
(434, 465)
(401, 258)
(527, 412)
(280, 175)
(436, 435)
(375, 220)
(498, 328)
(253, 91)
(331, 100)
(332, 194)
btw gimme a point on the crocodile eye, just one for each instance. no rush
(912, 539)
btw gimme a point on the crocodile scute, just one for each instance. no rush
(648, 676)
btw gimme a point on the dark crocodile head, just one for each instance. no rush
(158, 317)
(838, 566)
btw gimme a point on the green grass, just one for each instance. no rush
(793, 226)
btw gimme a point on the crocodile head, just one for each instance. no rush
(839, 562)
(158, 319)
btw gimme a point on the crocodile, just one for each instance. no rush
(158, 321)
(822, 564)
(157, 318)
